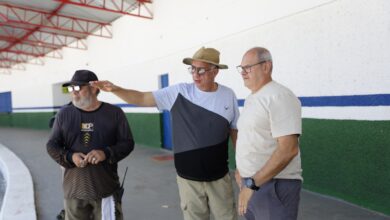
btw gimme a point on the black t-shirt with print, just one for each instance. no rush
(75, 130)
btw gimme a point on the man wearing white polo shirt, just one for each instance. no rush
(267, 153)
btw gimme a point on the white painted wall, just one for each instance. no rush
(320, 47)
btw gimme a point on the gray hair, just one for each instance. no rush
(262, 54)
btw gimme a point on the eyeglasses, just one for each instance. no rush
(199, 70)
(74, 88)
(248, 68)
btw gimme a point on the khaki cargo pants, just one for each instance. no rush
(201, 199)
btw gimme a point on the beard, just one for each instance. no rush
(83, 102)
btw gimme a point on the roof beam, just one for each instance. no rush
(12, 65)
(35, 49)
(15, 57)
(8, 63)
(30, 43)
(35, 53)
(52, 20)
(21, 58)
(45, 39)
(31, 29)
(139, 8)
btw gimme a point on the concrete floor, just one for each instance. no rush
(150, 185)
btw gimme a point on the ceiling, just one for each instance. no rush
(31, 30)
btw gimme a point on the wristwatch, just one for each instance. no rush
(249, 182)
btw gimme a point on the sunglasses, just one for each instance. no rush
(73, 88)
(199, 70)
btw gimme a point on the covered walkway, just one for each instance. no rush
(150, 185)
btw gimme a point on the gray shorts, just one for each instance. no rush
(277, 199)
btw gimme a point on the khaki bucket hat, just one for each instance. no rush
(207, 55)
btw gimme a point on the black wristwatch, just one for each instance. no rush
(249, 182)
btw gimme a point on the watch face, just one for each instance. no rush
(249, 182)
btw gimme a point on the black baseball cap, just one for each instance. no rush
(81, 77)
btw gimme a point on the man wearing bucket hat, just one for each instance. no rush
(204, 115)
(88, 139)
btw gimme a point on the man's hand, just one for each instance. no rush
(95, 156)
(104, 85)
(243, 200)
(79, 159)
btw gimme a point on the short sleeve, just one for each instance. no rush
(165, 98)
(285, 115)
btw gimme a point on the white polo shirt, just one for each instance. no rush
(272, 112)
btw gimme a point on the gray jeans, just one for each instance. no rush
(277, 199)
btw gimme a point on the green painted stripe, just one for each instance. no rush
(146, 128)
(348, 159)
(5, 119)
(35, 120)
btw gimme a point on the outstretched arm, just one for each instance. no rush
(145, 99)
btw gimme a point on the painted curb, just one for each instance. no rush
(18, 202)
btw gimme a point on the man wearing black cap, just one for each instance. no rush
(89, 138)
(204, 115)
